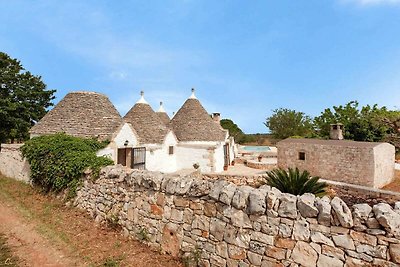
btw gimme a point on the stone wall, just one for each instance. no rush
(220, 224)
(361, 163)
(12, 164)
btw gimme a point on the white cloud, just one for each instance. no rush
(372, 2)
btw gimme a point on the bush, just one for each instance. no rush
(295, 182)
(58, 161)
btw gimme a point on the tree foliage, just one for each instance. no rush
(58, 161)
(23, 99)
(286, 122)
(360, 124)
(295, 182)
(232, 127)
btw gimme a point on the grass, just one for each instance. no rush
(6, 258)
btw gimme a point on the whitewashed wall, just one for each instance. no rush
(125, 133)
(158, 158)
(219, 158)
(188, 154)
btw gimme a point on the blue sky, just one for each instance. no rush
(245, 58)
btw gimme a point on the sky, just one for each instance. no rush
(244, 58)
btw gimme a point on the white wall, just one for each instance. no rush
(124, 133)
(12, 164)
(158, 158)
(219, 158)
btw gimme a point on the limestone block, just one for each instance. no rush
(388, 218)
(319, 238)
(273, 199)
(304, 254)
(254, 258)
(364, 238)
(183, 186)
(333, 252)
(240, 198)
(199, 188)
(344, 241)
(301, 230)
(240, 219)
(236, 253)
(342, 212)
(262, 238)
(306, 205)
(257, 201)
(376, 252)
(325, 261)
(217, 228)
(288, 206)
(227, 193)
(152, 181)
(394, 251)
(216, 189)
(257, 247)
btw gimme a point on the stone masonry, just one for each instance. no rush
(12, 164)
(217, 223)
(361, 163)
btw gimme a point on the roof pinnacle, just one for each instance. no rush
(142, 100)
(161, 109)
(193, 96)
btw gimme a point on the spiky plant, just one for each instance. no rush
(295, 182)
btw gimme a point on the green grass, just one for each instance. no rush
(6, 259)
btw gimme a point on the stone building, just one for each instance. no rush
(143, 139)
(363, 163)
(201, 139)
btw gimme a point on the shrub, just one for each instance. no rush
(58, 161)
(295, 182)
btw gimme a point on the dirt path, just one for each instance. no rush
(41, 231)
(29, 246)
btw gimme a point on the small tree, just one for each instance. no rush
(23, 99)
(286, 122)
(295, 182)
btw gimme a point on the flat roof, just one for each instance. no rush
(345, 143)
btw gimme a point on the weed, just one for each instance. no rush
(5, 254)
(192, 259)
(111, 262)
(112, 221)
(143, 234)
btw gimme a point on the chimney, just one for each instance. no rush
(216, 117)
(336, 132)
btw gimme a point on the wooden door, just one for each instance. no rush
(226, 155)
(122, 156)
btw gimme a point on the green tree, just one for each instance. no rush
(286, 122)
(233, 128)
(23, 99)
(360, 124)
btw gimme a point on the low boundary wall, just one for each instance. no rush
(12, 164)
(216, 223)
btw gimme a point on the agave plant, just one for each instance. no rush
(295, 182)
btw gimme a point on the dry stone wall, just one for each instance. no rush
(12, 164)
(217, 223)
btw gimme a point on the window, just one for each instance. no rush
(302, 156)
(171, 150)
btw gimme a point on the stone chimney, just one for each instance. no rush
(336, 132)
(216, 117)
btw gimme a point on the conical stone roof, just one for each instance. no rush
(148, 125)
(193, 123)
(81, 114)
(162, 114)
